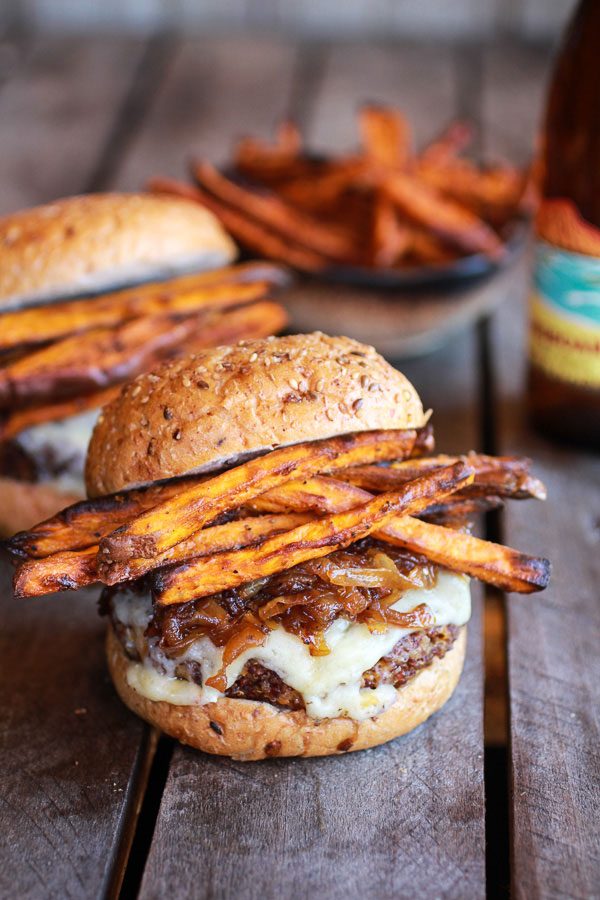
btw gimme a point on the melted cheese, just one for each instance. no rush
(67, 439)
(330, 685)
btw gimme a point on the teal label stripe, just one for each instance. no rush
(569, 282)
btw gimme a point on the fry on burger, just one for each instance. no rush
(285, 568)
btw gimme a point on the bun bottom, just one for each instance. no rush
(248, 730)
(23, 505)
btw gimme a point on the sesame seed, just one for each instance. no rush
(254, 357)
(186, 381)
(136, 390)
(293, 384)
(177, 435)
(167, 413)
(357, 404)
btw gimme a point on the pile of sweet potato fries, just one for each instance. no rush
(65, 357)
(384, 206)
(195, 536)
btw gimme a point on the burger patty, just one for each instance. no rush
(411, 654)
(256, 682)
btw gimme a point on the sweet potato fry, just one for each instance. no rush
(18, 420)
(248, 232)
(270, 158)
(320, 191)
(428, 249)
(175, 520)
(211, 574)
(275, 214)
(69, 570)
(84, 523)
(254, 320)
(320, 495)
(216, 539)
(443, 217)
(385, 135)
(459, 511)
(91, 361)
(454, 138)
(64, 571)
(231, 286)
(390, 238)
(494, 194)
(494, 564)
(499, 476)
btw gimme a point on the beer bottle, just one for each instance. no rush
(564, 370)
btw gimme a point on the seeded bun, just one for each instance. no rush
(199, 412)
(248, 729)
(101, 241)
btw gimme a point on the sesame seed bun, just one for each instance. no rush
(248, 729)
(202, 411)
(100, 241)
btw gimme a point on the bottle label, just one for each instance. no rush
(565, 315)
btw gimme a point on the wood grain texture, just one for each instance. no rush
(214, 92)
(403, 818)
(420, 79)
(68, 749)
(73, 760)
(57, 111)
(554, 666)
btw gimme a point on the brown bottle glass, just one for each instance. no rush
(564, 371)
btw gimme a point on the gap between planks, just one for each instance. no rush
(469, 64)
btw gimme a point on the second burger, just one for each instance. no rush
(93, 291)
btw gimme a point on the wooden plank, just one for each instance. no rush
(405, 817)
(214, 92)
(73, 759)
(69, 750)
(554, 668)
(56, 113)
(419, 78)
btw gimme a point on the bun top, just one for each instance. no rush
(100, 241)
(200, 412)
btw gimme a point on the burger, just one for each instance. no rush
(92, 292)
(285, 565)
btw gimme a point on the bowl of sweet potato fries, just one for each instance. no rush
(384, 215)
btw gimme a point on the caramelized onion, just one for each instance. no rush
(360, 583)
(247, 636)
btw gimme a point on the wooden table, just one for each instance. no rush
(92, 802)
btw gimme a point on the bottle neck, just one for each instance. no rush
(572, 127)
